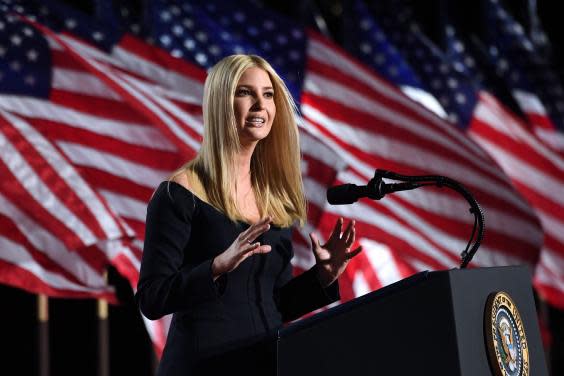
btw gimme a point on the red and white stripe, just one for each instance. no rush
(51, 229)
(538, 173)
(543, 127)
(158, 331)
(35, 260)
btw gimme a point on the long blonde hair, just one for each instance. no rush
(275, 164)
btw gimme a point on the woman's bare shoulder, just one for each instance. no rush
(182, 179)
(190, 180)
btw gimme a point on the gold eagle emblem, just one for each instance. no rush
(508, 350)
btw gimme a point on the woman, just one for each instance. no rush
(218, 241)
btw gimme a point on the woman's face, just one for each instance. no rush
(254, 105)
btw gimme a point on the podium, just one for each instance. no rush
(432, 323)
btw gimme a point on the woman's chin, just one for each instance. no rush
(253, 135)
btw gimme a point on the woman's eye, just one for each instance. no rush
(269, 94)
(243, 92)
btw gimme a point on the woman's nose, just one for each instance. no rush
(259, 104)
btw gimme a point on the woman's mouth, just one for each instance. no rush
(255, 121)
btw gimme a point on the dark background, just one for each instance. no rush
(73, 328)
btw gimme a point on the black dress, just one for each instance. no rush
(183, 235)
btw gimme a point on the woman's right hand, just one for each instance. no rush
(241, 248)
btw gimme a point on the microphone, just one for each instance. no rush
(375, 189)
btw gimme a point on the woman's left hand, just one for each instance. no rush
(332, 257)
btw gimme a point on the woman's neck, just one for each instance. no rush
(244, 196)
(243, 163)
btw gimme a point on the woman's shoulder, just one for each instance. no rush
(169, 193)
(181, 192)
(182, 179)
(190, 182)
(176, 187)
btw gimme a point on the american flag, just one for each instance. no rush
(204, 32)
(123, 114)
(54, 223)
(538, 90)
(535, 170)
(527, 72)
(115, 143)
(375, 50)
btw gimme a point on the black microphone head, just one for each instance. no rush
(342, 194)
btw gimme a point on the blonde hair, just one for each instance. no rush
(275, 164)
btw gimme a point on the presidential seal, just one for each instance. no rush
(505, 335)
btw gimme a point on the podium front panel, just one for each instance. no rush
(429, 324)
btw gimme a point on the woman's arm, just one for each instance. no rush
(165, 285)
(303, 294)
